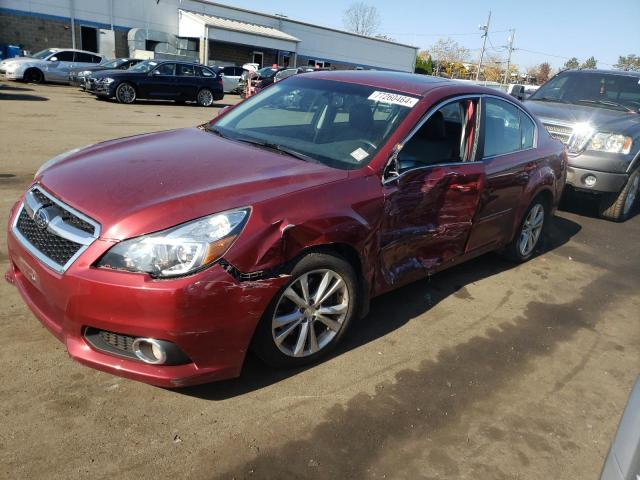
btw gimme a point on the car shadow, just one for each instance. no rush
(169, 103)
(22, 96)
(388, 313)
(4, 86)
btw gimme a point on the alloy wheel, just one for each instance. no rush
(631, 195)
(310, 313)
(205, 97)
(531, 230)
(126, 93)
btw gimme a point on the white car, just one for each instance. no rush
(50, 65)
(231, 78)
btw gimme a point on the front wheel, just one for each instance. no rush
(126, 93)
(205, 98)
(33, 75)
(530, 234)
(618, 207)
(310, 314)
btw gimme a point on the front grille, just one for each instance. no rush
(110, 342)
(56, 248)
(559, 132)
(57, 243)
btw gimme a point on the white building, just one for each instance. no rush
(199, 29)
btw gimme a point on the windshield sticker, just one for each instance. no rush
(393, 98)
(359, 154)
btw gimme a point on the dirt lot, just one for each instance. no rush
(483, 372)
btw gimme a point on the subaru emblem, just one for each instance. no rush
(41, 218)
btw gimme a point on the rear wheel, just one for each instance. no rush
(125, 93)
(531, 232)
(33, 75)
(618, 206)
(310, 315)
(205, 97)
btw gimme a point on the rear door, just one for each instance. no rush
(431, 204)
(186, 81)
(510, 157)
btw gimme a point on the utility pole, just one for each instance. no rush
(511, 39)
(485, 28)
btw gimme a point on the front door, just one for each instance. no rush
(430, 207)
(59, 65)
(161, 83)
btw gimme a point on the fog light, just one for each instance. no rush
(590, 180)
(149, 350)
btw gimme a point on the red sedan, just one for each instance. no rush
(166, 257)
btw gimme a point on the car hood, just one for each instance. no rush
(604, 119)
(21, 60)
(147, 183)
(116, 73)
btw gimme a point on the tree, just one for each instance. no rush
(492, 68)
(630, 62)
(544, 72)
(590, 62)
(361, 18)
(572, 63)
(424, 64)
(448, 56)
(382, 36)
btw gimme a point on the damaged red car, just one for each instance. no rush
(166, 257)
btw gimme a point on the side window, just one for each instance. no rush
(228, 71)
(205, 72)
(186, 70)
(83, 57)
(528, 130)
(95, 59)
(448, 136)
(64, 56)
(165, 69)
(502, 128)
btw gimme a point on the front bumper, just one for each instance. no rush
(210, 316)
(77, 81)
(104, 90)
(606, 182)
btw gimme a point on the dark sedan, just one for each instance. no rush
(78, 76)
(161, 80)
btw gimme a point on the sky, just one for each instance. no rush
(551, 31)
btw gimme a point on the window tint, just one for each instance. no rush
(64, 56)
(205, 72)
(96, 59)
(186, 70)
(528, 130)
(165, 69)
(502, 128)
(448, 136)
(86, 58)
(229, 71)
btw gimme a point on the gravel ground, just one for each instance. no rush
(485, 371)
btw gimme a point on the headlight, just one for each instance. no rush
(84, 73)
(107, 80)
(611, 143)
(582, 133)
(179, 250)
(56, 159)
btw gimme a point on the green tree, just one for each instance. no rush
(424, 64)
(630, 62)
(590, 62)
(572, 63)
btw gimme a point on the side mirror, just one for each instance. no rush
(53, 59)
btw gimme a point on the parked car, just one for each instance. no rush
(231, 78)
(270, 228)
(163, 80)
(50, 65)
(596, 113)
(78, 76)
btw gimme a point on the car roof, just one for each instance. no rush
(627, 73)
(74, 50)
(412, 83)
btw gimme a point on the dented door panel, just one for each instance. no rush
(428, 215)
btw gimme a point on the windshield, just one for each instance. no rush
(606, 90)
(114, 63)
(43, 53)
(144, 67)
(341, 125)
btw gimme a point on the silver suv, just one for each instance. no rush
(50, 65)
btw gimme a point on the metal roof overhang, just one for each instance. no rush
(192, 24)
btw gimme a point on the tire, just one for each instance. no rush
(290, 342)
(619, 206)
(531, 232)
(205, 97)
(33, 75)
(126, 93)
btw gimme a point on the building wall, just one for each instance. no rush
(239, 54)
(315, 42)
(34, 33)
